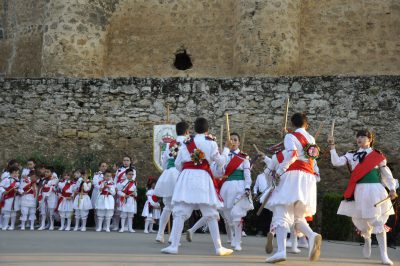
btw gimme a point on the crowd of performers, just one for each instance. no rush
(199, 176)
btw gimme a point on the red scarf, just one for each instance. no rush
(370, 162)
(120, 175)
(127, 191)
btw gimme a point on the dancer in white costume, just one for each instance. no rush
(118, 179)
(10, 201)
(48, 198)
(97, 178)
(151, 210)
(105, 202)
(82, 203)
(195, 187)
(127, 194)
(296, 195)
(235, 190)
(369, 177)
(166, 182)
(65, 205)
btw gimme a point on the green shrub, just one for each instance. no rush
(334, 226)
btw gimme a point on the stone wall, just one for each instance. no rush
(225, 38)
(110, 117)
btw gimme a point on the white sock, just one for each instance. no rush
(108, 221)
(305, 229)
(123, 220)
(383, 246)
(32, 224)
(179, 222)
(100, 223)
(13, 219)
(130, 222)
(214, 232)
(163, 221)
(146, 225)
(238, 232)
(62, 223)
(281, 235)
(84, 223)
(68, 223)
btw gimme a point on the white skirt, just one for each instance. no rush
(12, 204)
(166, 183)
(230, 191)
(155, 213)
(105, 202)
(66, 206)
(295, 186)
(84, 203)
(129, 205)
(366, 195)
(195, 187)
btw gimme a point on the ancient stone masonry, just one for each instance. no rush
(108, 117)
(224, 38)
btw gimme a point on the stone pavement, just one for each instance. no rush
(91, 248)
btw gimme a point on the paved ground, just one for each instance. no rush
(91, 248)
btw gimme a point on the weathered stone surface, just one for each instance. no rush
(224, 38)
(64, 121)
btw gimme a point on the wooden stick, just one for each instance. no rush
(243, 139)
(382, 201)
(221, 136)
(228, 132)
(285, 117)
(168, 113)
(332, 127)
(255, 147)
(319, 130)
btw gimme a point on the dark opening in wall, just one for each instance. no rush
(1, 33)
(182, 60)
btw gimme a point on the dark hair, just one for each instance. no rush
(366, 133)
(181, 128)
(299, 120)
(129, 170)
(11, 162)
(83, 171)
(201, 125)
(51, 168)
(31, 160)
(101, 163)
(150, 182)
(13, 169)
(235, 134)
(108, 171)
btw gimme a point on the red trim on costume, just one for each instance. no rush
(8, 193)
(370, 162)
(305, 166)
(279, 156)
(191, 146)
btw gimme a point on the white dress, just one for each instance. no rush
(28, 192)
(82, 200)
(129, 204)
(166, 182)
(151, 208)
(367, 194)
(66, 205)
(12, 203)
(48, 194)
(295, 185)
(195, 186)
(105, 199)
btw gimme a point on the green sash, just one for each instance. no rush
(171, 163)
(371, 177)
(236, 175)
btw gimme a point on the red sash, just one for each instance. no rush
(8, 194)
(279, 156)
(44, 189)
(104, 190)
(119, 178)
(126, 191)
(191, 146)
(233, 164)
(299, 164)
(28, 189)
(370, 162)
(64, 194)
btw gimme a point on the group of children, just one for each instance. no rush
(199, 176)
(38, 190)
